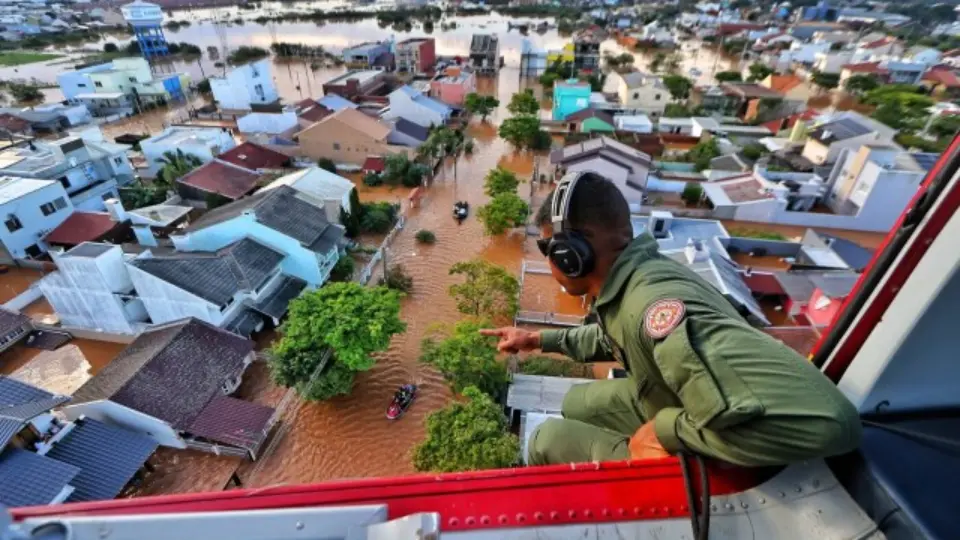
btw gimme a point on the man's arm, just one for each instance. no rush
(583, 344)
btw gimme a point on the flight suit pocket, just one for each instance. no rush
(688, 377)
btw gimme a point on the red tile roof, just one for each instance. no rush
(761, 283)
(233, 421)
(223, 178)
(786, 123)
(375, 163)
(305, 104)
(879, 43)
(315, 114)
(865, 67)
(253, 156)
(784, 83)
(81, 227)
(944, 77)
(14, 124)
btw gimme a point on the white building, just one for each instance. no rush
(643, 93)
(848, 130)
(270, 123)
(321, 188)
(29, 208)
(636, 123)
(927, 56)
(831, 62)
(203, 142)
(245, 86)
(405, 102)
(92, 289)
(626, 167)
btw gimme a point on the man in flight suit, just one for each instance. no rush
(700, 378)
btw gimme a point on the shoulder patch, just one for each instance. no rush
(662, 317)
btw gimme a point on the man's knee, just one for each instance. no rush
(545, 442)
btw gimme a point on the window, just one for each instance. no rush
(132, 79)
(108, 195)
(64, 181)
(98, 84)
(60, 203)
(336, 146)
(656, 97)
(636, 95)
(254, 72)
(118, 160)
(13, 223)
(81, 85)
(33, 251)
(47, 208)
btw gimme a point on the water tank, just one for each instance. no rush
(142, 14)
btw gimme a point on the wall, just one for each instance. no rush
(116, 414)
(70, 82)
(773, 247)
(569, 99)
(267, 122)
(647, 99)
(352, 146)
(299, 261)
(35, 224)
(165, 302)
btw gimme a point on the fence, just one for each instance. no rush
(551, 319)
(367, 271)
(217, 449)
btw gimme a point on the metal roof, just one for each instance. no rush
(14, 187)
(89, 249)
(233, 421)
(21, 401)
(29, 479)
(839, 130)
(540, 393)
(11, 321)
(107, 456)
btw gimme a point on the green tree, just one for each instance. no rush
(521, 131)
(327, 164)
(505, 211)
(500, 180)
(25, 93)
(351, 220)
(246, 53)
(375, 221)
(524, 103)
(657, 62)
(400, 170)
(676, 110)
(373, 179)
(701, 154)
(445, 142)
(488, 290)
(467, 436)
(397, 279)
(692, 192)
(825, 81)
(548, 79)
(465, 358)
(551, 367)
(426, 237)
(861, 84)
(139, 195)
(347, 320)
(110, 47)
(679, 86)
(728, 76)
(479, 104)
(175, 165)
(343, 270)
(759, 72)
(945, 126)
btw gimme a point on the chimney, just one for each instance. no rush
(695, 251)
(115, 208)
(659, 223)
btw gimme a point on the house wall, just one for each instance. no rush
(647, 99)
(165, 302)
(83, 294)
(244, 86)
(109, 412)
(343, 144)
(299, 261)
(569, 99)
(35, 224)
(79, 81)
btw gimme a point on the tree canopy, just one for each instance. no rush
(826, 81)
(347, 319)
(524, 103)
(860, 84)
(728, 76)
(175, 165)
(479, 104)
(467, 436)
(327, 164)
(759, 72)
(701, 154)
(400, 170)
(488, 290)
(505, 211)
(679, 86)
(466, 358)
(521, 131)
(500, 180)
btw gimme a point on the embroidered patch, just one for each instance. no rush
(662, 317)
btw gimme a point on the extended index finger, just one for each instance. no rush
(493, 332)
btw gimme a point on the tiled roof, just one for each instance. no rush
(13, 124)
(334, 103)
(749, 90)
(839, 130)
(279, 209)
(21, 401)
(215, 277)
(835, 285)
(412, 129)
(233, 421)
(374, 163)
(172, 372)
(746, 190)
(865, 67)
(944, 77)
(254, 157)
(81, 226)
(539, 393)
(29, 479)
(784, 83)
(356, 120)
(315, 113)
(878, 43)
(275, 304)
(108, 456)
(11, 321)
(584, 114)
(226, 179)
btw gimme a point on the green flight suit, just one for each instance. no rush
(712, 384)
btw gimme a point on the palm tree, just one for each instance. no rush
(448, 142)
(176, 165)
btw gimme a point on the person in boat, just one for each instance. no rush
(699, 378)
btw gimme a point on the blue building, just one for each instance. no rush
(146, 19)
(820, 12)
(569, 97)
(366, 54)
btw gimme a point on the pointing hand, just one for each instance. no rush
(514, 340)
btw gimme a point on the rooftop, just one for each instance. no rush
(335, 102)
(11, 321)
(315, 113)
(254, 157)
(681, 230)
(596, 146)
(363, 48)
(20, 403)
(216, 277)
(81, 226)
(226, 179)
(411, 129)
(30, 479)
(171, 372)
(637, 79)
(539, 393)
(362, 77)
(14, 187)
(159, 215)
(374, 163)
(585, 114)
(355, 119)
(89, 249)
(483, 43)
(800, 284)
(229, 420)
(316, 183)
(180, 135)
(749, 90)
(916, 161)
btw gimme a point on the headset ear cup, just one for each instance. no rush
(571, 254)
(584, 251)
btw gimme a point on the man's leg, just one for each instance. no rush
(559, 441)
(612, 404)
